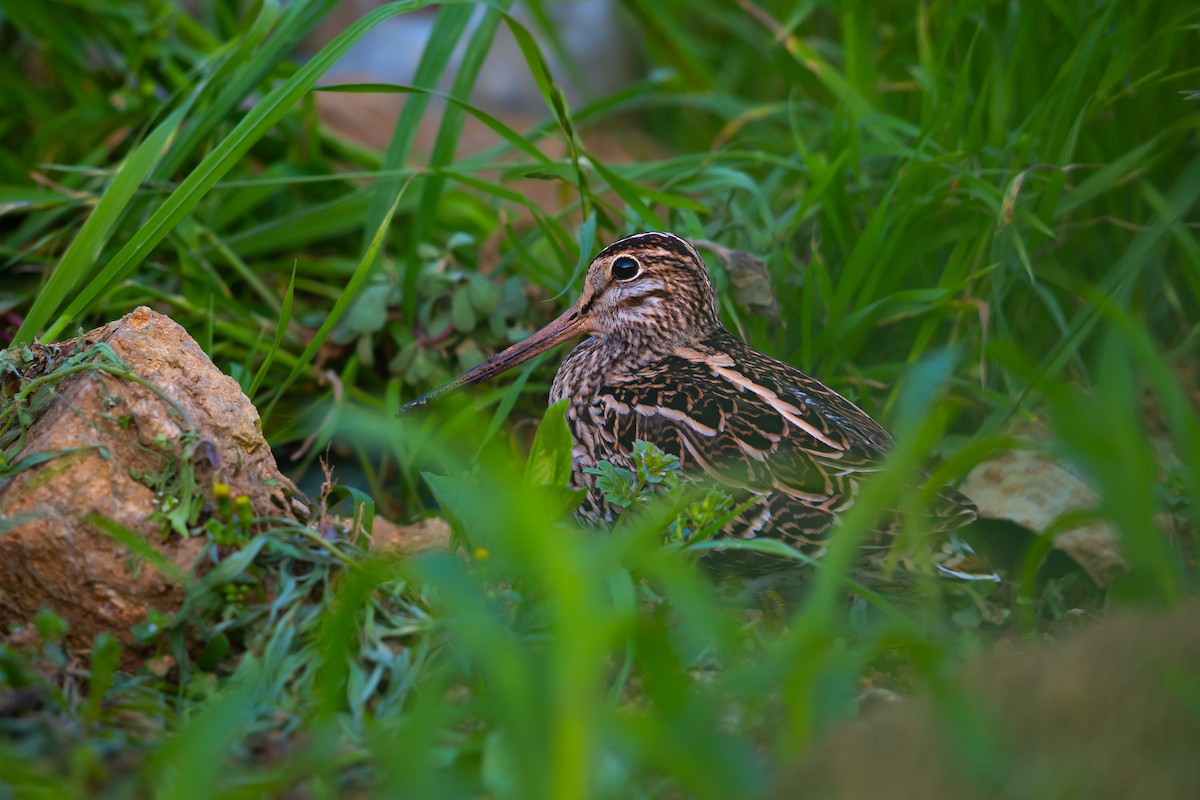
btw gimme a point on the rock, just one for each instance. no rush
(426, 534)
(116, 448)
(1034, 491)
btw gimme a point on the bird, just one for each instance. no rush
(659, 366)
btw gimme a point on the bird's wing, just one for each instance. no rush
(760, 426)
(747, 421)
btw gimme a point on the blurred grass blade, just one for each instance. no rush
(184, 763)
(138, 546)
(242, 72)
(106, 655)
(450, 129)
(20, 199)
(1117, 281)
(443, 38)
(253, 126)
(446, 144)
(557, 102)
(83, 251)
(631, 194)
(497, 126)
(285, 318)
(339, 307)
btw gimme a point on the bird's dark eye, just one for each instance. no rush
(625, 268)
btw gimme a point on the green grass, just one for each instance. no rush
(974, 217)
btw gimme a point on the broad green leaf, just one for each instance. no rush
(550, 457)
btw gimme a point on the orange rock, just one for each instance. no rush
(112, 436)
(426, 534)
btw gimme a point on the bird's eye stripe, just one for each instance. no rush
(650, 298)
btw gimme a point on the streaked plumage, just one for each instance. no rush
(659, 366)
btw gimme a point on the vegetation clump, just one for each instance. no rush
(975, 221)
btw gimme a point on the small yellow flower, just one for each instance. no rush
(481, 553)
(224, 497)
(244, 512)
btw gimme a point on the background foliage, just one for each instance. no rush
(974, 216)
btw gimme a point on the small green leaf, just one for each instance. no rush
(485, 295)
(653, 465)
(468, 354)
(703, 518)
(212, 653)
(106, 653)
(364, 505)
(462, 312)
(404, 357)
(367, 314)
(51, 626)
(550, 457)
(422, 366)
(617, 483)
(152, 627)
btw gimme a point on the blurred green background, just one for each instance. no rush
(977, 220)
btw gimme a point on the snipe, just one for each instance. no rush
(659, 366)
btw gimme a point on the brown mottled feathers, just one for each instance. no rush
(746, 422)
(733, 416)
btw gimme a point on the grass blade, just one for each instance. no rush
(253, 126)
(81, 255)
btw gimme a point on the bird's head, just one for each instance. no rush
(649, 290)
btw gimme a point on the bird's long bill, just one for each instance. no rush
(567, 326)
